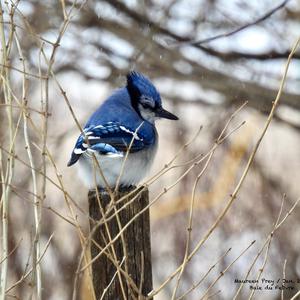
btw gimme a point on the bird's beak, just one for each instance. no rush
(162, 113)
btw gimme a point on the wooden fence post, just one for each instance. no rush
(136, 238)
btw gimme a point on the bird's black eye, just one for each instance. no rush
(147, 103)
(146, 106)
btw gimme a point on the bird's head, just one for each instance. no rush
(145, 99)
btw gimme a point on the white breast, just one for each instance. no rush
(136, 167)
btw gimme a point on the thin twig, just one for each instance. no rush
(240, 28)
(24, 276)
(226, 269)
(194, 286)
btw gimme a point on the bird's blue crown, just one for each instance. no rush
(140, 87)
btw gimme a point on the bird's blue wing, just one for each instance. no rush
(112, 138)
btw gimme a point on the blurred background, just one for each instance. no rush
(206, 58)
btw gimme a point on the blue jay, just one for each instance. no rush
(124, 122)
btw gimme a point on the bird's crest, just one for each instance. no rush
(138, 85)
